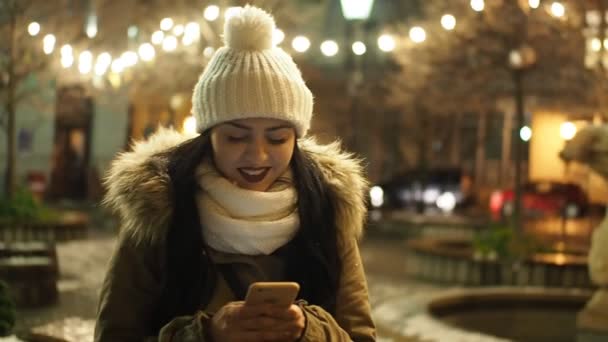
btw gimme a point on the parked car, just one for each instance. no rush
(542, 198)
(423, 190)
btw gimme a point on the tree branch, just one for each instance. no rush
(3, 117)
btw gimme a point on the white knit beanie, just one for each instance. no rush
(250, 77)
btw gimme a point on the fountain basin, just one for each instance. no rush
(518, 314)
(452, 261)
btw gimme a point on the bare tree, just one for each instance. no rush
(19, 60)
(177, 72)
(22, 56)
(508, 50)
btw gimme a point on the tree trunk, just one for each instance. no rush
(423, 140)
(519, 150)
(480, 149)
(10, 153)
(456, 135)
(505, 162)
(9, 176)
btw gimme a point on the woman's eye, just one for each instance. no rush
(278, 141)
(236, 138)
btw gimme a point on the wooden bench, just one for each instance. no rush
(31, 271)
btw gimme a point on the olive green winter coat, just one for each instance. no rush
(139, 190)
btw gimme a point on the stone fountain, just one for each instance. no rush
(590, 147)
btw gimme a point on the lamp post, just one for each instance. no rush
(355, 12)
(520, 60)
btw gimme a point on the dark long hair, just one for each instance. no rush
(312, 256)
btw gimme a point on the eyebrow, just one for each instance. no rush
(270, 129)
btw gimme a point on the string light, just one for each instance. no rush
(190, 125)
(100, 69)
(277, 36)
(359, 48)
(67, 61)
(192, 30)
(448, 22)
(166, 24)
(187, 40)
(33, 28)
(117, 66)
(525, 133)
(386, 43)
(478, 5)
(191, 34)
(300, 44)
(170, 43)
(596, 44)
(178, 30)
(567, 130)
(48, 43)
(85, 62)
(129, 59)
(533, 3)
(211, 13)
(66, 50)
(208, 51)
(104, 60)
(158, 37)
(231, 11)
(329, 48)
(146, 52)
(132, 31)
(558, 10)
(417, 34)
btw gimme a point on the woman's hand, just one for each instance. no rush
(237, 321)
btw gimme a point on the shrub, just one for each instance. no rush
(24, 207)
(503, 242)
(7, 311)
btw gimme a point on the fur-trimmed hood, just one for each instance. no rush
(139, 188)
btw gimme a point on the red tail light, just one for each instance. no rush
(496, 201)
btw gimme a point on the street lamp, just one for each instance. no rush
(356, 9)
(355, 12)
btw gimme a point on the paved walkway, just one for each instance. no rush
(397, 301)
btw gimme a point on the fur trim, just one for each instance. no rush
(139, 189)
(343, 174)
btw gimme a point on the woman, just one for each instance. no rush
(249, 199)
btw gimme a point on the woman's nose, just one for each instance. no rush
(256, 152)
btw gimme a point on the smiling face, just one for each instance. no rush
(253, 153)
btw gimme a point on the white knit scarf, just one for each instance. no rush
(241, 221)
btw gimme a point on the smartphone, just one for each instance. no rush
(275, 293)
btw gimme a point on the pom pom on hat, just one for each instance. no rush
(249, 28)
